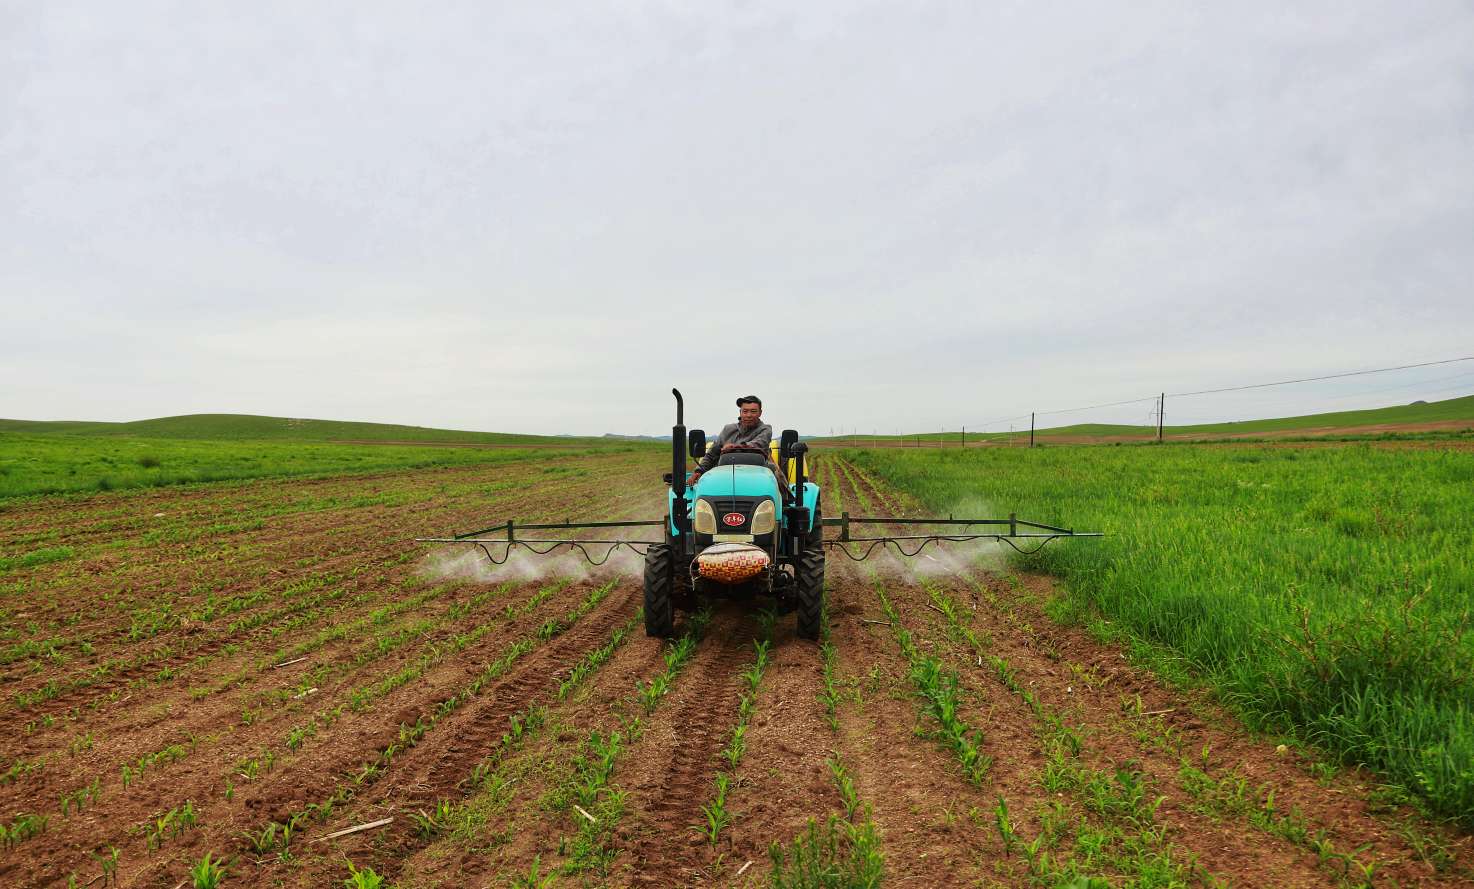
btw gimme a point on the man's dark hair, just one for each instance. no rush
(749, 399)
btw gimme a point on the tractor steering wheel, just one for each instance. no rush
(743, 449)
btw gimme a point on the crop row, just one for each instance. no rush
(153, 613)
(412, 735)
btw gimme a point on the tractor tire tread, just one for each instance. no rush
(659, 586)
(809, 580)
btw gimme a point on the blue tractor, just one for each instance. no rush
(737, 533)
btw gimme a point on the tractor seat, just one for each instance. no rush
(741, 458)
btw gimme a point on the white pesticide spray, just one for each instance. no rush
(468, 563)
(943, 558)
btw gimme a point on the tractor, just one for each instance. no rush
(737, 533)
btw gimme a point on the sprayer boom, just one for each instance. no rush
(750, 524)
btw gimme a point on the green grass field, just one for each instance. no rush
(61, 464)
(1449, 410)
(247, 427)
(1323, 592)
(61, 457)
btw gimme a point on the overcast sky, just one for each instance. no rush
(538, 217)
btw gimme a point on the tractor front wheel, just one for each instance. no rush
(660, 565)
(809, 581)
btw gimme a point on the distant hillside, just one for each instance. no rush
(248, 427)
(1423, 412)
(1452, 410)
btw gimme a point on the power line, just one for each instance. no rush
(1071, 410)
(1355, 373)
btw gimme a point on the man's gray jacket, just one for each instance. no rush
(758, 436)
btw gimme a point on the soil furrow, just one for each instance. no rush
(670, 773)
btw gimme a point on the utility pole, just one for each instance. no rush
(1161, 408)
(964, 438)
(1031, 429)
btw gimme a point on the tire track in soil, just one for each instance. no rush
(434, 770)
(1230, 847)
(444, 678)
(672, 769)
(437, 768)
(783, 780)
(528, 829)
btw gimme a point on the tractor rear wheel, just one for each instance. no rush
(809, 581)
(660, 564)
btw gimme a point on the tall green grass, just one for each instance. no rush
(1323, 592)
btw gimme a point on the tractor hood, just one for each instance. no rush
(738, 481)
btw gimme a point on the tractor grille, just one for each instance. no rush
(724, 506)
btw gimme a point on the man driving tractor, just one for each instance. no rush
(748, 432)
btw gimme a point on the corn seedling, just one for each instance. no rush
(264, 840)
(836, 854)
(535, 878)
(207, 872)
(431, 824)
(23, 828)
(736, 746)
(938, 689)
(1005, 824)
(363, 879)
(109, 865)
(716, 811)
(845, 784)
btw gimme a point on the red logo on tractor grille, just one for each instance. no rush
(733, 519)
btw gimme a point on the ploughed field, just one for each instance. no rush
(246, 671)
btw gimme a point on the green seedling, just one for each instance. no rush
(24, 827)
(1005, 825)
(716, 811)
(207, 872)
(836, 854)
(431, 824)
(846, 785)
(535, 878)
(363, 879)
(736, 746)
(109, 865)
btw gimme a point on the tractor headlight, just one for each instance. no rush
(763, 518)
(706, 519)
